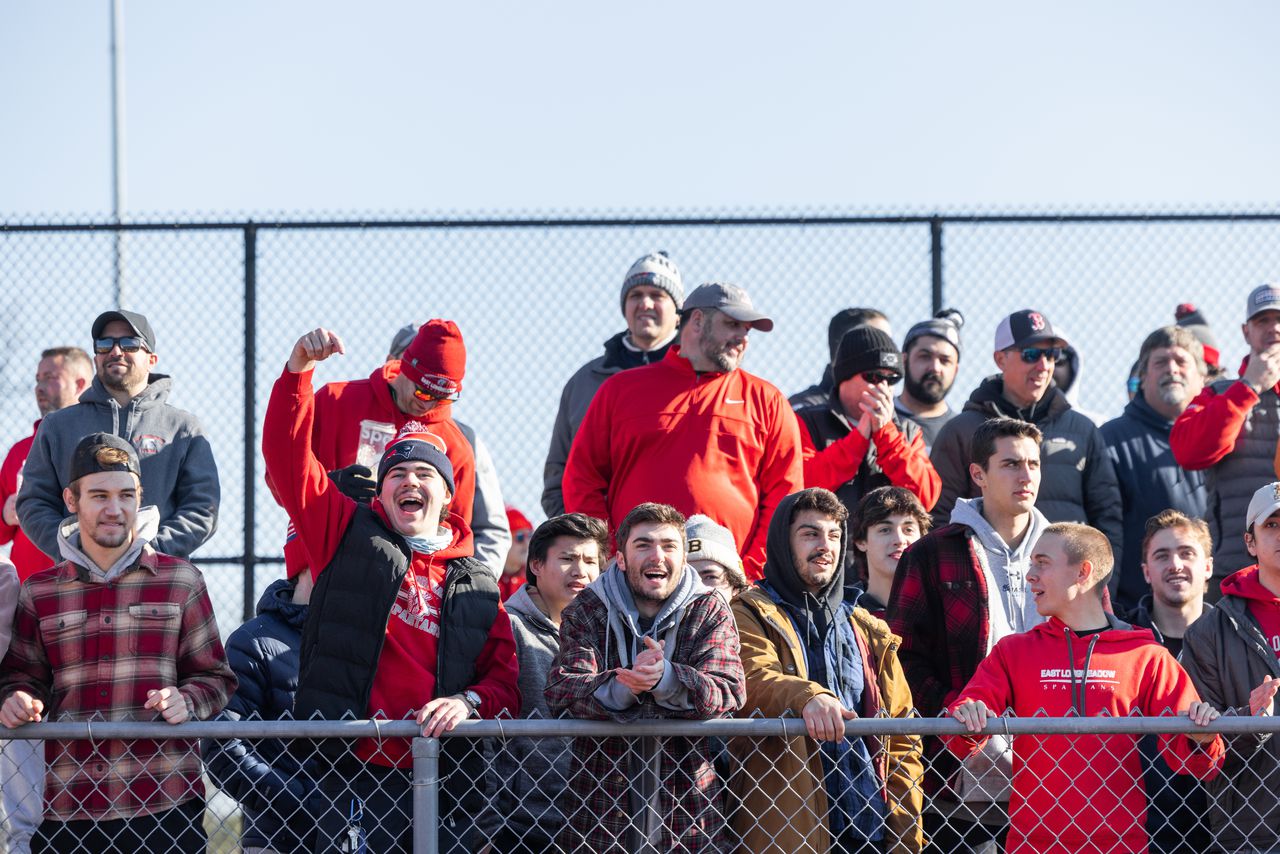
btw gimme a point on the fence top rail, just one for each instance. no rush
(755, 727)
(464, 223)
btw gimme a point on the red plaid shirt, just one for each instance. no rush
(91, 650)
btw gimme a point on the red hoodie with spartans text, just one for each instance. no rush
(1083, 794)
(405, 680)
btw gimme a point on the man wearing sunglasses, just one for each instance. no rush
(1079, 482)
(126, 399)
(855, 441)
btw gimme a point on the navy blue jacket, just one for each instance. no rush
(269, 783)
(1150, 481)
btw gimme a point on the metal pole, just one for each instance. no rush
(426, 795)
(935, 255)
(117, 148)
(250, 414)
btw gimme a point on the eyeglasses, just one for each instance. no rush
(1031, 355)
(876, 378)
(126, 343)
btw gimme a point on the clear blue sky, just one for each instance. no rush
(399, 106)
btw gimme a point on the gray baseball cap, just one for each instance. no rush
(730, 299)
(1263, 298)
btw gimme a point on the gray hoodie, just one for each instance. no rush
(1011, 606)
(527, 775)
(179, 475)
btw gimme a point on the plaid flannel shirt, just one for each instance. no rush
(687, 799)
(90, 650)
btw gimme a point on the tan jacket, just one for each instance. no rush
(781, 801)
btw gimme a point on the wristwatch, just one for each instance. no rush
(473, 699)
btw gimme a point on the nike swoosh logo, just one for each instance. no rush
(727, 400)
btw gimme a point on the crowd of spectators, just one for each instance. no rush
(711, 549)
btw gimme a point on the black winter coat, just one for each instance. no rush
(268, 782)
(1150, 481)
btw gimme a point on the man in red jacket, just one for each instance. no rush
(1081, 794)
(694, 431)
(63, 373)
(403, 621)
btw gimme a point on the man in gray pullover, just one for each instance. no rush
(179, 476)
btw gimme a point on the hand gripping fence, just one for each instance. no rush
(649, 785)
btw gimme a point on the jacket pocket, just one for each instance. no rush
(64, 637)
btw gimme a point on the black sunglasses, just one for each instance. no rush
(1031, 355)
(127, 343)
(875, 378)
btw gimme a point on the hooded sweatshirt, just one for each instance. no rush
(1083, 794)
(1264, 605)
(1011, 606)
(179, 475)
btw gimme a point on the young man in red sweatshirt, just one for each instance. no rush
(1081, 794)
(403, 621)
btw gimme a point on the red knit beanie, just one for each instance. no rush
(517, 521)
(437, 359)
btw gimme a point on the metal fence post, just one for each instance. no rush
(935, 256)
(426, 795)
(250, 413)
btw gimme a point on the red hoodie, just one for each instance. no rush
(405, 678)
(1083, 794)
(25, 556)
(722, 444)
(335, 437)
(1263, 604)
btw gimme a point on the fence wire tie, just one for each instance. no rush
(89, 725)
(502, 735)
(377, 732)
(1004, 721)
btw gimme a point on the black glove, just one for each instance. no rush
(355, 482)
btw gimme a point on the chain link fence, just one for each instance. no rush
(536, 297)
(650, 785)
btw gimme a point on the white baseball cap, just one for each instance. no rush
(1264, 502)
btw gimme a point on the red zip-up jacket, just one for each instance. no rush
(722, 444)
(405, 679)
(1207, 429)
(1083, 794)
(24, 554)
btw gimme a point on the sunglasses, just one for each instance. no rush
(876, 378)
(429, 396)
(1031, 355)
(126, 343)
(522, 536)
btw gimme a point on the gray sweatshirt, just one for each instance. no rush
(179, 475)
(1011, 607)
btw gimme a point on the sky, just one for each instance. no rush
(392, 109)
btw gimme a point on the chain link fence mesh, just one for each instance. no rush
(564, 785)
(535, 299)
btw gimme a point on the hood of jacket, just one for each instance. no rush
(145, 527)
(1139, 410)
(968, 511)
(1072, 391)
(780, 570)
(988, 398)
(277, 600)
(522, 603)
(624, 617)
(1247, 584)
(155, 394)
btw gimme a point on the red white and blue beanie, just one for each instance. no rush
(416, 443)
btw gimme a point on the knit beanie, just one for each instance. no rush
(865, 348)
(415, 442)
(711, 541)
(437, 359)
(1190, 317)
(659, 271)
(945, 324)
(517, 521)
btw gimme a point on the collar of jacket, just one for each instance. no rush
(1139, 410)
(989, 399)
(674, 360)
(155, 393)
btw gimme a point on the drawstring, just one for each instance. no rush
(1084, 676)
(1078, 692)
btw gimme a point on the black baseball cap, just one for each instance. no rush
(137, 322)
(99, 452)
(1023, 327)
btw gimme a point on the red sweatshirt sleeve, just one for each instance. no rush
(781, 473)
(319, 512)
(836, 464)
(497, 671)
(590, 466)
(1207, 430)
(1169, 690)
(906, 464)
(991, 683)
(9, 485)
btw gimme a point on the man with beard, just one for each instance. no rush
(1079, 479)
(652, 293)
(115, 631)
(694, 431)
(931, 353)
(1229, 432)
(824, 793)
(62, 375)
(1171, 373)
(646, 640)
(126, 400)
